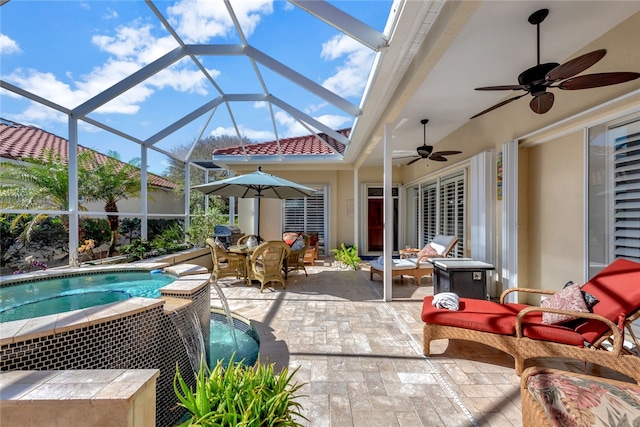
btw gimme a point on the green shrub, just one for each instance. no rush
(138, 249)
(203, 225)
(239, 395)
(348, 256)
(96, 229)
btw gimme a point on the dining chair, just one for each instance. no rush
(266, 262)
(295, 260)
(225, 264)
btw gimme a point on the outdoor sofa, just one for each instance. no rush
(416, 266)
(595, 336)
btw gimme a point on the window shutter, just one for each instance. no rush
(306, 215)
(626, 195)
(430, 212)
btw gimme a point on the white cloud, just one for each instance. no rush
(110, 14)
(197, 21)
(350, 77)
(254, 135)
(8, 46)
(295, 128)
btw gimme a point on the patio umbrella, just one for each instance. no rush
(257, 184)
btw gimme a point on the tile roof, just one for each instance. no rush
(19, 142)
(299, 145)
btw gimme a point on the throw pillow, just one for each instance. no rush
(428, 251)
(289, 237)
(590, 300)
(298, 244)
(569, 298)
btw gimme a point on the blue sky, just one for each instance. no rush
(69, 51)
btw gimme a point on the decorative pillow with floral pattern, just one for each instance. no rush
(570, 299)
(574, 401)
(428, 251)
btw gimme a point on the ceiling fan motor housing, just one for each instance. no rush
(424, 150)
(536, 75)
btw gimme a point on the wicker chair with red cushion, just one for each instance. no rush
(519, 329)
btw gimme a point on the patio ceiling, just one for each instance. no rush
(427, 58)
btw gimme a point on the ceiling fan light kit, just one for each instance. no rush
(537, 79)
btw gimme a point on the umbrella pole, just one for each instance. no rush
(258, 226)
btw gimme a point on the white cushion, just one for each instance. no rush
(423, 263)
(398, 264)
(442, 243)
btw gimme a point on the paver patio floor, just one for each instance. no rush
(361, 358)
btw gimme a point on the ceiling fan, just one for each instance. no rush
(426, 151)
(537, 79)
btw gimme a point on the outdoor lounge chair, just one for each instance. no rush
(266, 262)
(417, 266)
(519, 330)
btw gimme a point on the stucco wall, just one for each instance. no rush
(555, 242)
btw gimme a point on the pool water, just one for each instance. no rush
(222, 346)
(50, 296)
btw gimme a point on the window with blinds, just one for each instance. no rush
(306, 215)
(626, 194)
(443, 209)
(613, 193)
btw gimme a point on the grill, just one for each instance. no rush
(227, 234)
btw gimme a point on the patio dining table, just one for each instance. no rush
(246, 252)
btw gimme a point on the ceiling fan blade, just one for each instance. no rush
(504, 87)
(597, 80)
(500, 104)
(413, 161)
(437, 158)
(575, 66)
(542, 103)
(446, 153)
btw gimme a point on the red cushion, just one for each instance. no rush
(617, 288)
(289, 237)
(475, 314)
(553, 333)
(313, 239)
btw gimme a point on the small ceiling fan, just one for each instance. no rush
(426, 151)
(537, 79)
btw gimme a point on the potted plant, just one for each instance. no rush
(239, 395)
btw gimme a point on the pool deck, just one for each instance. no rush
(361, 358)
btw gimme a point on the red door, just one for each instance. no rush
(375, 230)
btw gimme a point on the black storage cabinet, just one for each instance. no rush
(463, 276)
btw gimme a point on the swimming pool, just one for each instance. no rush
(57, 295)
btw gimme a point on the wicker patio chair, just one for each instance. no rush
(225, 264)
(295, 260)
(519, 330)
(266, 263)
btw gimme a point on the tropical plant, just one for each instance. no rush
(348, 255)
(138, 249)
(240, 395)
(203, 224)
(39, 184)
(111, 181)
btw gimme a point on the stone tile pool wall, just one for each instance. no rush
(138, 333)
